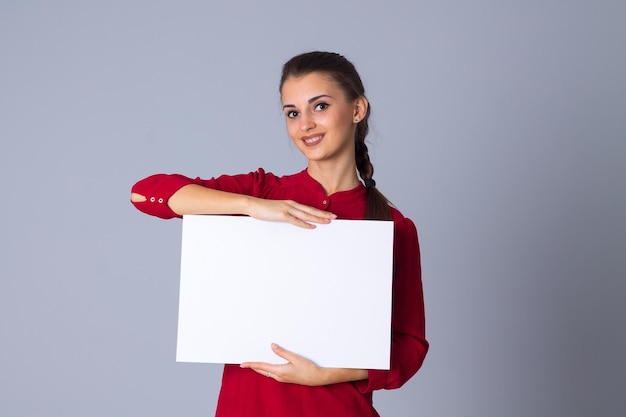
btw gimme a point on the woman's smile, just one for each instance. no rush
(312, 140)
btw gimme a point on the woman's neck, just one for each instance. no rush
(334, 178)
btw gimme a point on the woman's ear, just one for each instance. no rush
(360, 109)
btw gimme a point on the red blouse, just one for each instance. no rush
(247, 393)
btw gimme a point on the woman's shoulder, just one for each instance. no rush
(261, 173)
(258, 176)
(402, 224)
(397, 216)
(271, 179)
(260, 183)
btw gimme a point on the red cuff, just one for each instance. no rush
(375, 381)
(158, 189)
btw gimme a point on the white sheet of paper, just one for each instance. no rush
(323, 293)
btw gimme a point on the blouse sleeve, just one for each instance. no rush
(408, 345)
(159, 188)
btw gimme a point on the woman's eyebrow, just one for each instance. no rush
(311, 100)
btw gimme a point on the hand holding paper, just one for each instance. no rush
(300, 370)
(290, 212)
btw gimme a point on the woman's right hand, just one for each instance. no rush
(288, 211)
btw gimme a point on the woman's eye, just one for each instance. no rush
(321, 106)
(291, 114)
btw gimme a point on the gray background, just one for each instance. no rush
(498, 126)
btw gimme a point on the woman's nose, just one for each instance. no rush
(306, 122)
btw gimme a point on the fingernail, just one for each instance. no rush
(274, 345)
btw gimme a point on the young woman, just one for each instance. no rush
(327, 115)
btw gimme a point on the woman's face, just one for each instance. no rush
(320, 118)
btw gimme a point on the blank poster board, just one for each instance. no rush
(323, 293)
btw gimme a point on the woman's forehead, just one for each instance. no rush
(310, 85)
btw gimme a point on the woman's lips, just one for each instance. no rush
(312, 140)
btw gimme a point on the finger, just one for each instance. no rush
(254, 365)
(260, 367)
(284, 353)
(264, 369)
(299, 222)
(304, 216)
(312, 212)
(318, 215)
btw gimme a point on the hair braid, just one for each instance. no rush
(363, 164)
(377, 203)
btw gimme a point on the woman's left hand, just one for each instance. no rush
(299, 370)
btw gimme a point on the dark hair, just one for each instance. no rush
(345, 75)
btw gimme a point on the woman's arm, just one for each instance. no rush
(172, 195)
(196, 199)
(409, 345)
